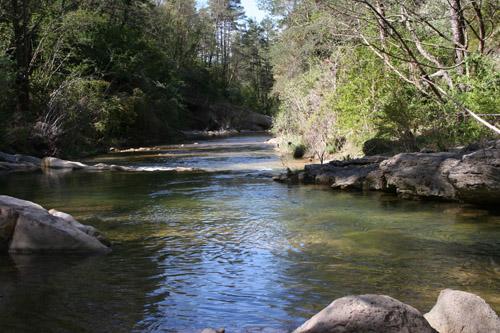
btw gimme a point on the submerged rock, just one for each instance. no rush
(367, 313)
(461, 312)
(26, 227)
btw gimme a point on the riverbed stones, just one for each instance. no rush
(462, 312)
(28, 228)
(367, 313)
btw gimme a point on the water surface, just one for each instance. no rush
(231, 248)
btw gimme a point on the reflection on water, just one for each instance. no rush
(231, 248)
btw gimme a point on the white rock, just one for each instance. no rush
(56, 163)
(461, 312)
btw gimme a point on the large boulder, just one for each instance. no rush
(461, 312)
(420, 174)
(367, 313)
(26, 227)
(476, 178)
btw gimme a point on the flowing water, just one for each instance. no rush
(231, 248)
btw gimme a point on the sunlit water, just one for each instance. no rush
(231, 248)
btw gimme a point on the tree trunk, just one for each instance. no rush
(458, 30)
(482, 29)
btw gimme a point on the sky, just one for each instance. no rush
(250, 6)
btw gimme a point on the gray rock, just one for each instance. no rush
(354, 177)
(35, 230)
(56, 163)
(89, 230)
(18, 158)
(9, 162)
(345, 175)
(375, 181)
(420, 175)
(29, 159)
(472, 178)
(476, 178)
(4, 157)
(367, 313)
(461, 312)
(8, 219)
(18, 166)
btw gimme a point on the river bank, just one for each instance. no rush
(461, 176)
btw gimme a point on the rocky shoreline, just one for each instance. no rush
(462, 176)
(15, 163)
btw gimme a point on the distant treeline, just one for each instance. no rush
(80, 75)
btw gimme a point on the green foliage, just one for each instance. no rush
(336, 92)
(125, 72)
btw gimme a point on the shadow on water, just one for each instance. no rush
(74, 294)
(232, 248)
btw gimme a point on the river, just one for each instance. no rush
(231, 248)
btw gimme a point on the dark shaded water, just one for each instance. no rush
(232, 248)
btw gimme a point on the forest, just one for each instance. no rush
(77, 76)
(338, 76)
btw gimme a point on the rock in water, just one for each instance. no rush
(89, 230)
(461, 312)
(367, 313)
(56, 163)
(26, 227)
